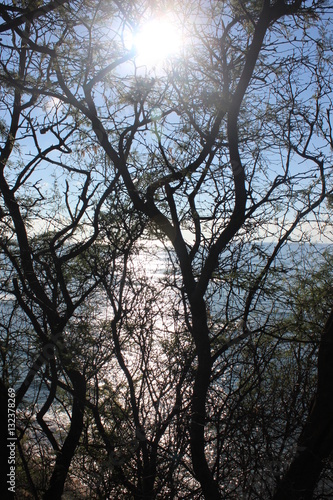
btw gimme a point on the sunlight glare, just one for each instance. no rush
(157, 40)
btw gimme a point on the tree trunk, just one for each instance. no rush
(316, 440)
(66, 454)
(201, 385)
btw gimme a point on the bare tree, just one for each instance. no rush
(46, 231)
(223, 147)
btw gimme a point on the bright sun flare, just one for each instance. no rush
(157, 40)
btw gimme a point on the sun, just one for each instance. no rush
(156, 41)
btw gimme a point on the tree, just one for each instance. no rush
(44, 237)
(314, 443)
(223, 147)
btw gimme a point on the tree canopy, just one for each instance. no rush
(165, 229)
